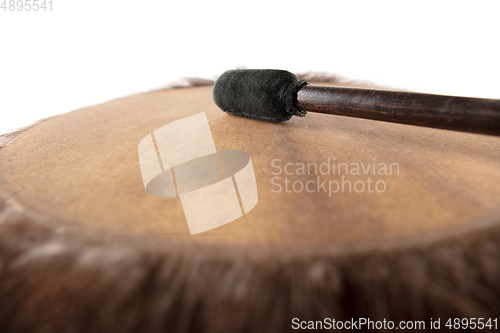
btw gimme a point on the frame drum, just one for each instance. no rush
(355, 219)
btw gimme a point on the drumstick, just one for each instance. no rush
(277, 95)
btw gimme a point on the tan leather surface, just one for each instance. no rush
(83, 167)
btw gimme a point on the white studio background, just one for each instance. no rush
(86, 52)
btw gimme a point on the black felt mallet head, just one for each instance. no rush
(265, 94)
(277, 95)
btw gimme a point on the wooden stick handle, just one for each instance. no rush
(466, 114)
